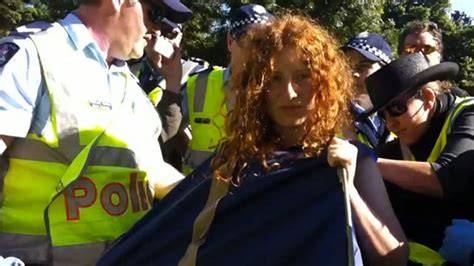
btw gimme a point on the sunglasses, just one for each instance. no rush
(158, 18)
(399, 106)
(425, 49)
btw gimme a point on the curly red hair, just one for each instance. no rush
(249, 130)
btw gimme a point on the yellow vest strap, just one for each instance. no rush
(155, 95)
(424, 255)
(204, 220)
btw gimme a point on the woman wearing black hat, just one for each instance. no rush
(433, 127)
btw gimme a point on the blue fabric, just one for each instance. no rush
(372, 46)
(292, 216)
(247, 15)
(458, 244)
(371, 127)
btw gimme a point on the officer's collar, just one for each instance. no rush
(227, 72)
(81, 37)
(77, 31)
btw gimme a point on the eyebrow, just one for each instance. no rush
(294, 71)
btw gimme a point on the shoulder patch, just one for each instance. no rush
(203, 71)
(199, 61)
(7, 50)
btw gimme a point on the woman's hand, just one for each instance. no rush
(341, 153)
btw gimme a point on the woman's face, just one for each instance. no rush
(290, 96)
(361, 68)
(412, 124)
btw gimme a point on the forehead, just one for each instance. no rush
(356, 57)
(420, 38)
(287, 59)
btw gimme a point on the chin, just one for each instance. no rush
(293, 123)
(135, 54)
(408, 141)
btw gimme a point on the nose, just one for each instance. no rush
(291, 91)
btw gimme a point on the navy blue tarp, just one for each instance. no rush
(292, 216)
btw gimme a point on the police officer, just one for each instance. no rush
(163, 80)
(80, 158)
(162, 76)
(208, 98)
(425, 37)
(433, 127)
(367, 53)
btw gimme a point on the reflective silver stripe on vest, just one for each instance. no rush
(195, 158)
(30, 249)
(69, 144)
(112, 156)
(86, 254)
(29, 149)
(200, 91)
(34, 249)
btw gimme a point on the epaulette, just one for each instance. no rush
(8, 47)
(205, 70)
(31, 28)
(199, 61)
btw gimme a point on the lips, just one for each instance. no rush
(291, 107)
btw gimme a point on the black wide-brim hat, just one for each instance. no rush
(404, 75)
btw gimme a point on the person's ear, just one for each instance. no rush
(429, 97)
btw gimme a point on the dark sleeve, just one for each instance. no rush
(459, 141)
(457, 178)
(364, 150)
(390, 150)
(169, 109)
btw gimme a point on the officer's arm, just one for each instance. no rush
(20, 83)
(169, 109)
(414, 176)
(168, 178)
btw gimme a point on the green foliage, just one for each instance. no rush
(14, 13)
(205, 34)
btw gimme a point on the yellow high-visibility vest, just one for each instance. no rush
(207, 112)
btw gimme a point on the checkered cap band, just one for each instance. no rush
(362, 44)
(248, 21)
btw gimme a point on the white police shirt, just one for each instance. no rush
(24, 100)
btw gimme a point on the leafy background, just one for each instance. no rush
(205, 33)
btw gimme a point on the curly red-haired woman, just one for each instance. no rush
(292, 94)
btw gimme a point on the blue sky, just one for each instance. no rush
(463, 5)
